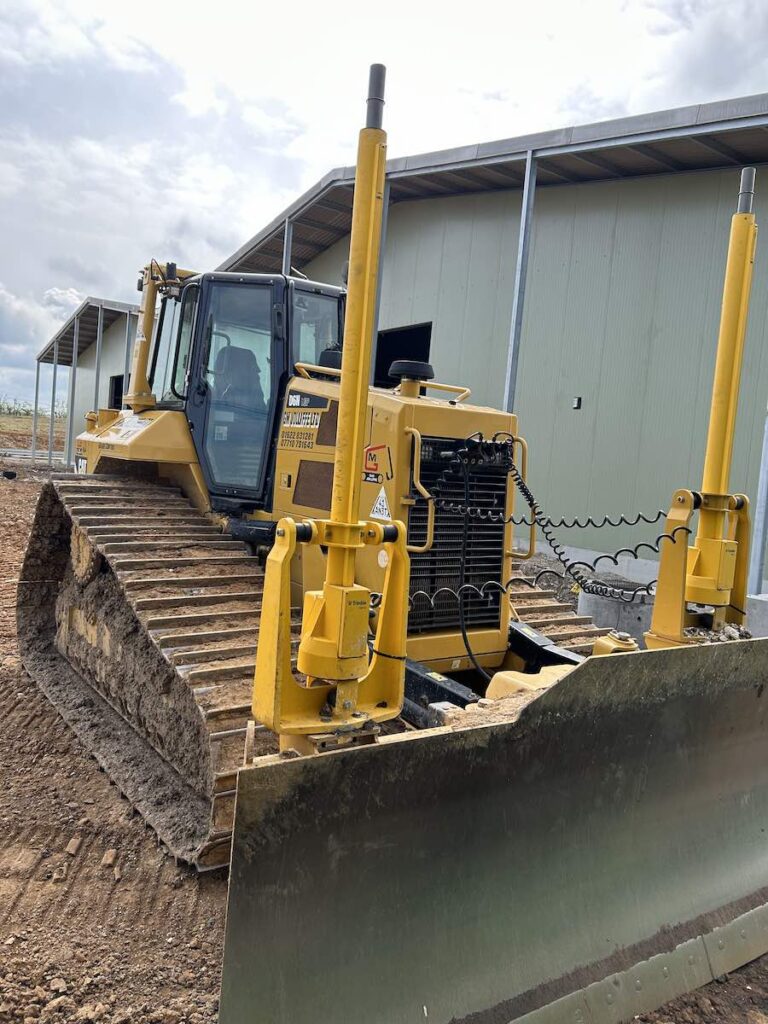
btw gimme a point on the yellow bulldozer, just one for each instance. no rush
(278, 597)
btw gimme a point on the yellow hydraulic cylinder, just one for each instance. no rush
(713, 556)
(334, 629)
(348, 687)
(713, 570)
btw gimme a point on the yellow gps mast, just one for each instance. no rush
(713, 570)
(344, 690)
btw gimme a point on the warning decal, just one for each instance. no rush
(380, 508)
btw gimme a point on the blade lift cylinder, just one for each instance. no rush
(344, 692)
(712, 572)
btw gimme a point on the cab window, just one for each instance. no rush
(315, 325)
(162, 354)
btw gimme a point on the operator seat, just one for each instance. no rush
(237, 379)
(236, 426)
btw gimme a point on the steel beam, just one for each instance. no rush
(34, 411)
(53, 399)
(97, 370)
(287, 246)
(598, 161)
(716, 146)
(760, 523)
(572, 179)
(521, 271)
(72, 382)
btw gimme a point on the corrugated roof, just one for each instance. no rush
(710, 135)
(88, 314)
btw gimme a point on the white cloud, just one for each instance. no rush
(127, 135)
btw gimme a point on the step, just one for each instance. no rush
(532, 608)
(190, 581)
(171, 641)
(128, 564)
(113, 501)
(89, 510)
(192, 519)
(224, 670)
(537, 622)
(560, 634)
(184, 600)
(109, 538)
(201, 618)
(529, 594)
(109, 489)
(185, 658)
(139, 545)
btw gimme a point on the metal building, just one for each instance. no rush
(596, 319)
(95, 345)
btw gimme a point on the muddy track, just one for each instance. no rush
(139, 622)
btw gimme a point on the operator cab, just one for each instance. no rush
(224, 350)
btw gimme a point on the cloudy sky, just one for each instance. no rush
(177, 131)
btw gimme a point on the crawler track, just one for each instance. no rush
(557, 620)
(130, 592)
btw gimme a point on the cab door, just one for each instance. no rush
(234, 383)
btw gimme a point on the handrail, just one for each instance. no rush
(416, 549)
(459, 390)
(524, 474)
(303, 370)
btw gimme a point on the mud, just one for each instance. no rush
(136, 684)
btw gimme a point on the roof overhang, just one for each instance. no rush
(701, 137)
(87, 315)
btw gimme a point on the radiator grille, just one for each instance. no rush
(441, 566)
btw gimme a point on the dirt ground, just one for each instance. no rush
(139, 940)
(16, 432)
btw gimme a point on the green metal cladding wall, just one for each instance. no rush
(622, 308)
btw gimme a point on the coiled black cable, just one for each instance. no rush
(573, 569)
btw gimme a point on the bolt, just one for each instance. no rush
(347, 705)
(280, 533)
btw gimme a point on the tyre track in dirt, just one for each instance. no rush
(140, 941)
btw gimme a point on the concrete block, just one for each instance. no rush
(757, 614)
(634, 618)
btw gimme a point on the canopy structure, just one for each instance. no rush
(84, 328)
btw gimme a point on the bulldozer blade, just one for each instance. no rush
(601, 853)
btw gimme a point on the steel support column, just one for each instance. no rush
(53, 400)
(127, 363)
(380, 276)
(521, 271)
(287, 246)
(72, 381)
(97, 369)
(760, 523)
(34, 411)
